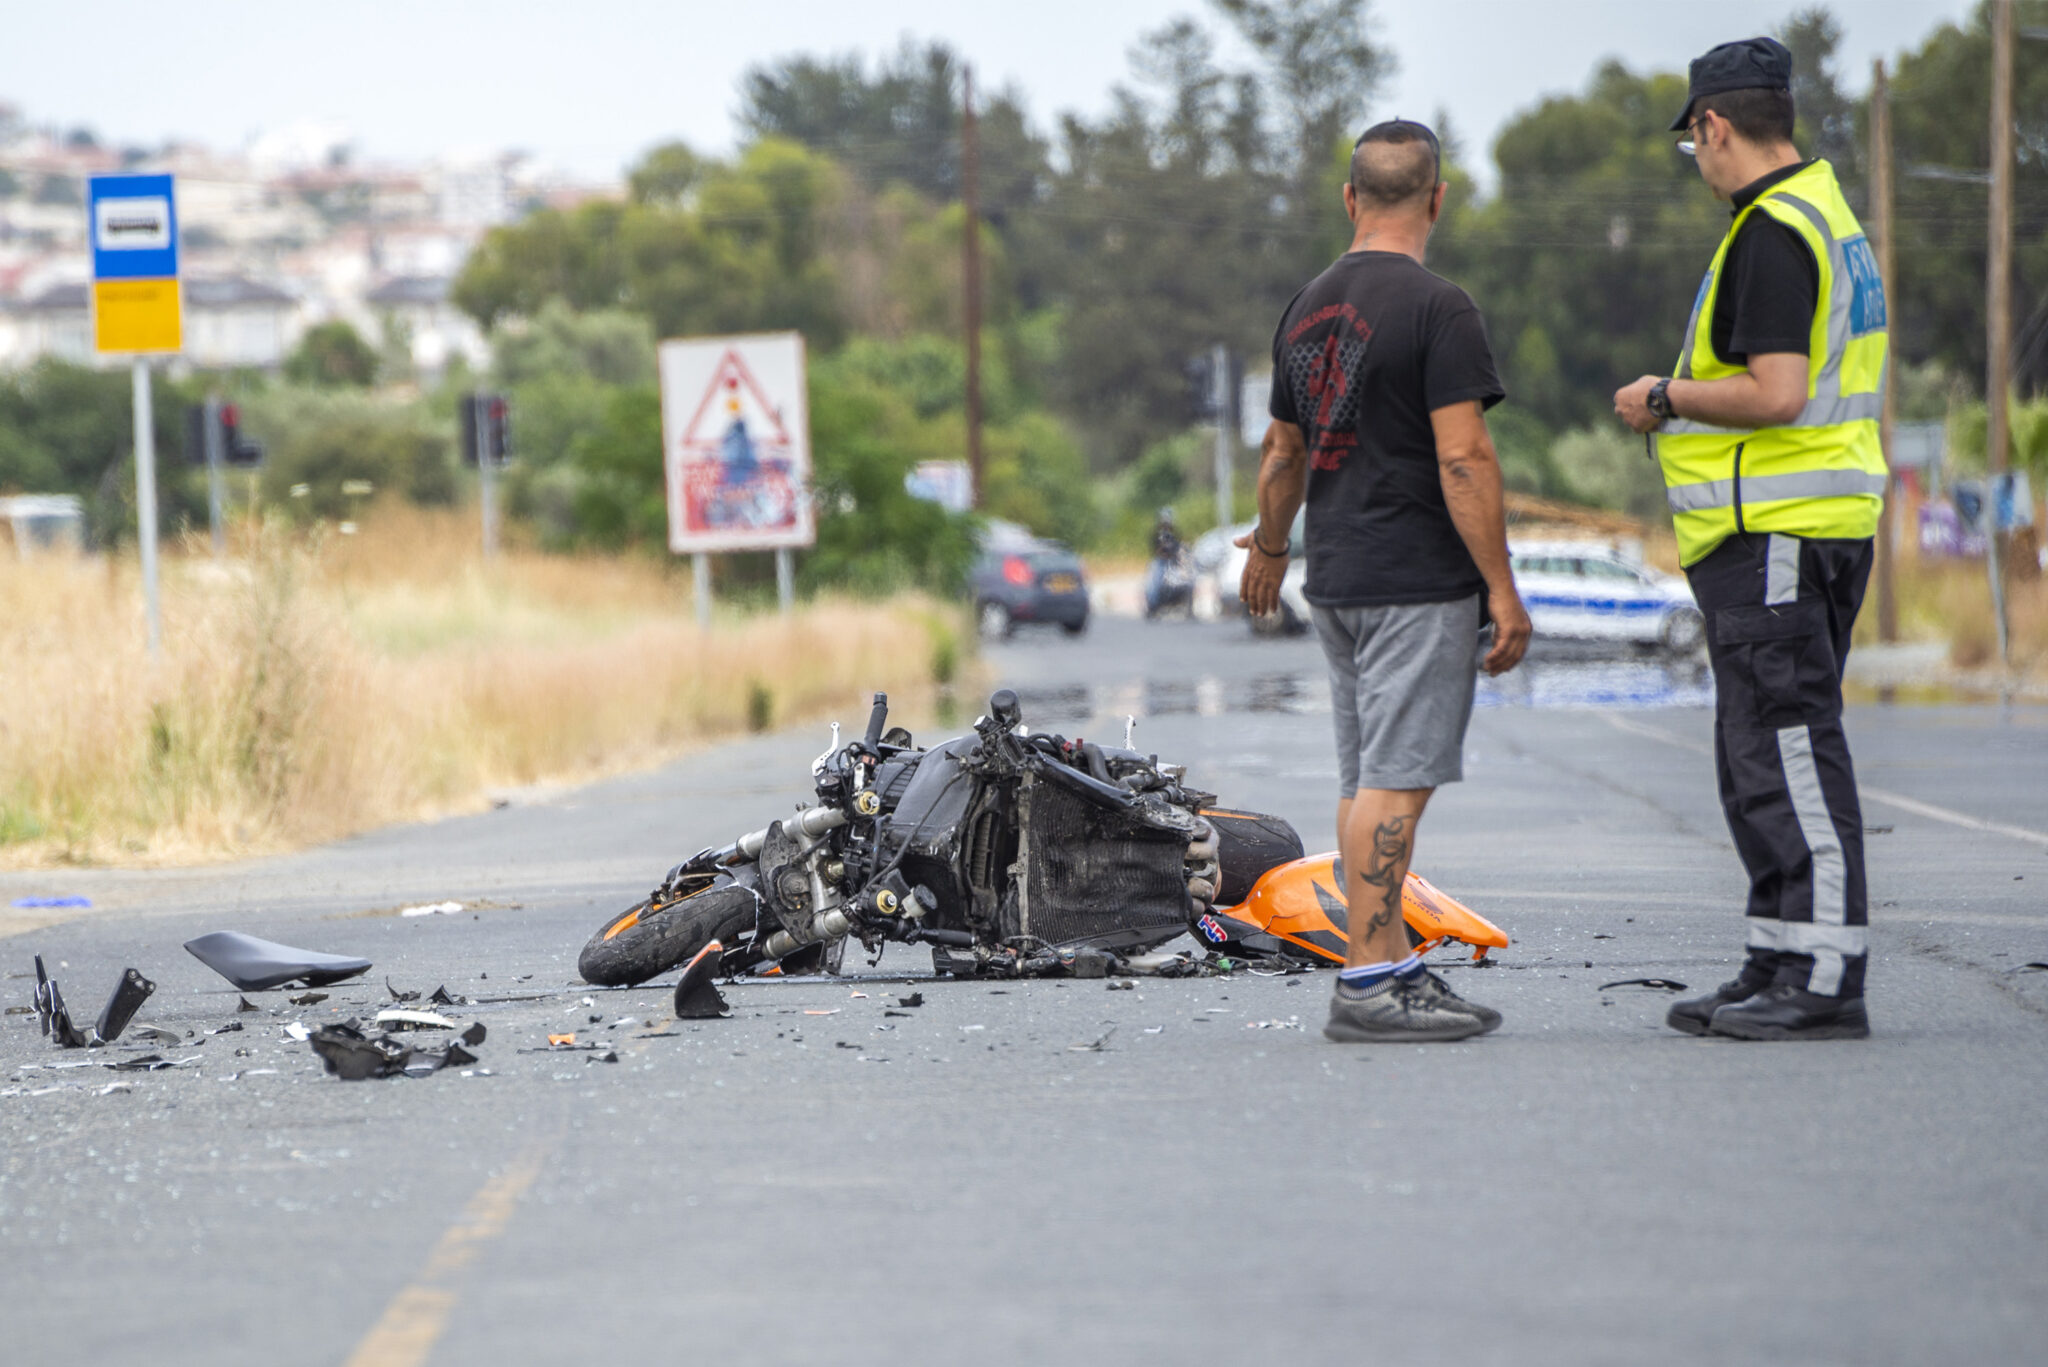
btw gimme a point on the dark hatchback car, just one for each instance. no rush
(1021, 578)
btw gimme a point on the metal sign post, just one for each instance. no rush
(145, 504)
(132, 223)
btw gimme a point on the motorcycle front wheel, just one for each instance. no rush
(651, 938)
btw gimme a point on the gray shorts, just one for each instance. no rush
(1401, 683)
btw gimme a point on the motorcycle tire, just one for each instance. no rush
(647, 940)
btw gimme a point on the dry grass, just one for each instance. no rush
(316, 686)
(1950, 600)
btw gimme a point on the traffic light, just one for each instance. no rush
(486, 428)
(1201, 387)
(234, 448)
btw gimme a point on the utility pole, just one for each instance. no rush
(1998, 304)
(1219, 388)
(970, 244)
(1998, 280)
(1881, 221)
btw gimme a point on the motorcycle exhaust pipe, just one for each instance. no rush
(826, 925)
(808, 824)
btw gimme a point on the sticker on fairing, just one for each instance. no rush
(1212, 930)
(1866, 298)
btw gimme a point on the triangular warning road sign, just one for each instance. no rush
(731, 383)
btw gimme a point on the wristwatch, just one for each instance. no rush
(1659, 401)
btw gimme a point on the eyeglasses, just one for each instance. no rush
(1686, 144)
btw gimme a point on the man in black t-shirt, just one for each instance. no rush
(1381, 378)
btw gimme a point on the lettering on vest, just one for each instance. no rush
(1866, 298)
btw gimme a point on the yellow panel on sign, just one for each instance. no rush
(136, 315)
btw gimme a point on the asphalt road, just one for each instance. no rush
(959, 1183)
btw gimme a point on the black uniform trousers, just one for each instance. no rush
(1779, 610)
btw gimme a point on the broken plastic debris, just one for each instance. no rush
(158, 1033)
(442, 997)
(227, 1029)
(914, 999)
(1095, 1047)
(30, 902)
(128, 996)
(254, 964)
(305, 999)
(51, 1013)
(567, 1041)
(697, 996)
(297, 1031)
(432, 909)
(1273, 1025)
(413, 1020)
(244, 1004)
(833, 1012)
(475, 1034)
(1663, 984)
(398, 996)
(352, 1057)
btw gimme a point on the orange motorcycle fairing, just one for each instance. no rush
(1302, 903)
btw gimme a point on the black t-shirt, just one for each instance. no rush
(1770, 284)
(1364, 354)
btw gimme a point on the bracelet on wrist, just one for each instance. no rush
(1280, 554)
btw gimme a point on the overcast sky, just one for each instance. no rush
(588, 85)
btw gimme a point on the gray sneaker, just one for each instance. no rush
(1397, 1012)
(1485, 1015)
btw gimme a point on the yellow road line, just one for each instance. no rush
(412, 1324)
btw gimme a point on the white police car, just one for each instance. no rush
(1591, 592)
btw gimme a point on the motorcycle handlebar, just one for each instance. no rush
(877, 718)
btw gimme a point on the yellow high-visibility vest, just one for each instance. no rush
(1823, 473)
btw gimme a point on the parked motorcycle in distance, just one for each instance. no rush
(1011, 853)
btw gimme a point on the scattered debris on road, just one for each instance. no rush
(433, 909)
(399, 1020)
(1661, 984)
(305, 999)
(1095, 1047)
(354, 1056)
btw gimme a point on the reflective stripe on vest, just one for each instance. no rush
(1822, 473)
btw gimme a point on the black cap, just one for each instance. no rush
(1752, 64)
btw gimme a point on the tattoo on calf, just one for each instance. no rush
(1391, 842)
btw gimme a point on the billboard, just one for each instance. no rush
(736, 442)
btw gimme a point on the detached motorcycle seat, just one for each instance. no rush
(254, 965)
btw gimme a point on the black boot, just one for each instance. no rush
(1786, 1012)
(1695, 1013)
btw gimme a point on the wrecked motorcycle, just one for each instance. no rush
(1010, 852)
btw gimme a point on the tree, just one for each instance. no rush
(332, 355)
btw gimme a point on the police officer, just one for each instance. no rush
(1767, 435)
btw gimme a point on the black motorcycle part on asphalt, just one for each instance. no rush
(1249, 845)
(254, 964)
(127, 998)
(697, 995)
(660, 937)
(1095, 872)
